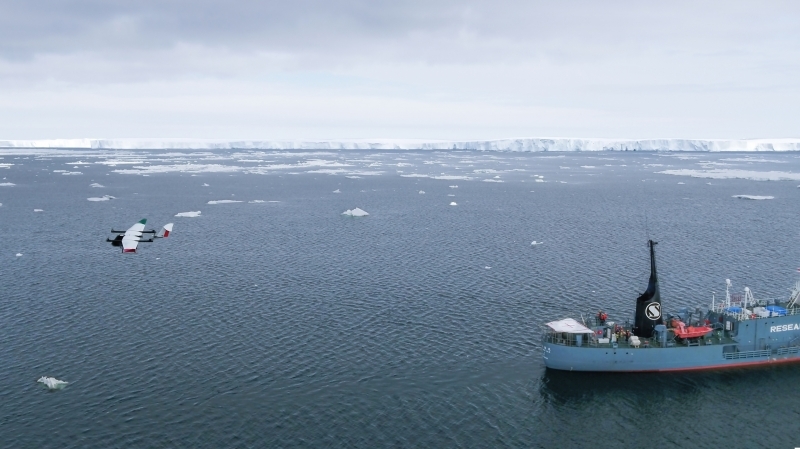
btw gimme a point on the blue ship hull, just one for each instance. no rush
(741, 331)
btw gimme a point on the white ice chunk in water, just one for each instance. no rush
(19, 254)
(205, 185)
(488, 268)
(188, 214)
(38, 210)
(453, 204)
(453, 187)
(355, 213)
(681, 183)
(534, 243)
(753, 197)
(102, 198)
(422, 192)
(223, 201)
(256, 201)
(95, 184)
(7, 184)
(337, 191)
(52, 383)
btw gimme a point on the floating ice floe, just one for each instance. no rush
(453, 203)
(52, 383)
(422, 192)
(355, 213)
(488, 268)
(415, 175)
(754, 197)
(95, 184)
(72, 173)
(534, 243)
(188, 214)
(256, 201)
(353, 177)
(720, 173)
(223, 201)
(455, 187)
(337, 191)
(453, 178)
(102, 198)
(7, 184)
(19, 254)
(205, 185)
(493, 180)
(588, 166)
(38, 210)
(681, 183)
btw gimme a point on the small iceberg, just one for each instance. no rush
(453, 187)
(188, 214)
(38, 210)
(19, 254)
(488, 268)
(453, 203)
(422, 192)
(337, 191)
(102, 198)
(52, 383)
(96, 184)
(256, 201)
(534, 243)
(7, 184)
(753, 197)
(223, 202)
(681, 183)
(355, 213)
(205, 185)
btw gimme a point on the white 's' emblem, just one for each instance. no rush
(653, 311)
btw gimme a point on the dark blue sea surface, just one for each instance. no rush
(283, 323)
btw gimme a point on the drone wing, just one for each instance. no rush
(131, 238)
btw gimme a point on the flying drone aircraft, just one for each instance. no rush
(131, 238)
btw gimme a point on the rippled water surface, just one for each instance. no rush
(282, 323)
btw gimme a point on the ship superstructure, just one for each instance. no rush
(737, 331)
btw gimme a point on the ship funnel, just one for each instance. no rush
(648, 304)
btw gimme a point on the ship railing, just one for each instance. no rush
(589, 341)
(761, 353)
(745, 316)
(747, 354)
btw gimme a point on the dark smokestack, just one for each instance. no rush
(648, 305)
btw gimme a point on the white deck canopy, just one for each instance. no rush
(569, 326)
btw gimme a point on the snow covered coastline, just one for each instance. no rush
(518, 145)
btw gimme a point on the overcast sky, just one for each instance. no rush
(328, 69)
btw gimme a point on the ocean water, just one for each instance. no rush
(283, 323)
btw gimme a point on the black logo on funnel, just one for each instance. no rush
(653, 311)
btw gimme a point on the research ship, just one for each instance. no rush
(736, 331)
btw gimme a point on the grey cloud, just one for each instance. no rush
(431, 31)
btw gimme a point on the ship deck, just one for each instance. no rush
(645, 343)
